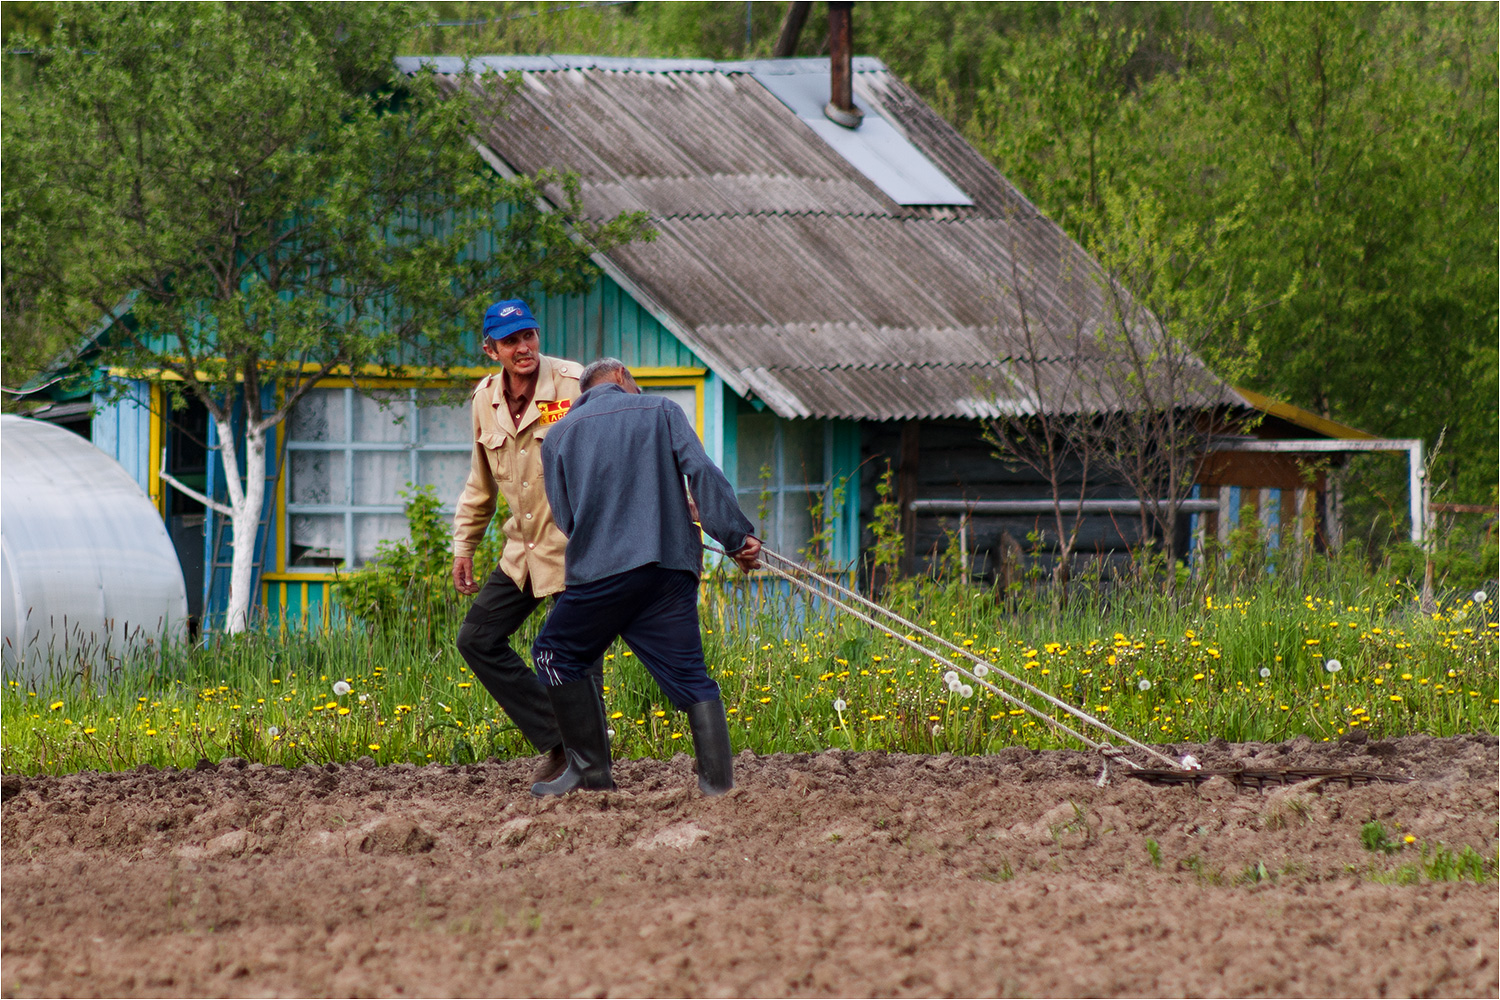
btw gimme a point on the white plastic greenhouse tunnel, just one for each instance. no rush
(89, 574)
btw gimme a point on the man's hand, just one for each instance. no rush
(747, 555)
(463, 575)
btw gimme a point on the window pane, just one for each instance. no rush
(443, 424)
(750, 506)
(802, 450)
(379, 475)
(317, 541)
(446, 470)
(685, 398)
(756, 441)
(797, 522)
(372, 529)
(319, 416)
(377, 423)
(316, 477)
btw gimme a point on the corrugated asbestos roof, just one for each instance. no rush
(790, 272)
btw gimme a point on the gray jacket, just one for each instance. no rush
(613, 468)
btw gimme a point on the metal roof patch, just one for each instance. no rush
(876, 149)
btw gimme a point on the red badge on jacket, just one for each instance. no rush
(551, 413)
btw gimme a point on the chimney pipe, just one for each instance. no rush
(840, 108)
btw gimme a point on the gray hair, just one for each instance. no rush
(603, 370)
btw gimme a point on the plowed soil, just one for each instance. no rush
(860, 874)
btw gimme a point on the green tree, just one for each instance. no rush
(1364, 139)
(280, 204)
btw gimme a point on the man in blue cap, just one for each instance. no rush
(512, 412)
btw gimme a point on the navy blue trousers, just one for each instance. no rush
(654, 610)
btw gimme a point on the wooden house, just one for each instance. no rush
(820, 299)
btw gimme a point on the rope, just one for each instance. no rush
(1107, 750)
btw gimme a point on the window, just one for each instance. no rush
(685, 396)
(783, 477)
(348, 456)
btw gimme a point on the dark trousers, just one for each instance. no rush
(484, 643)
(654, 610)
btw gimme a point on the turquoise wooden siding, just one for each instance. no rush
(607, 323)
(122, 430)
(846, 471)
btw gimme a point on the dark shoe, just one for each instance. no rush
(580, 719)
(552, 764)
(711, 746)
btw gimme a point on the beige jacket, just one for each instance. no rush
(509, 458)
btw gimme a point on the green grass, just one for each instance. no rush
(1161, 668)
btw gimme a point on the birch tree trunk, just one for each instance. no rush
(246, 500)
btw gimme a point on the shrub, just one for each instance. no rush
(409, 582)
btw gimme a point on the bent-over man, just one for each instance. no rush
(512, 413)
(614, 471)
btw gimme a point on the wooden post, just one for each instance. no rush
(963, 544)
(791, 29)
(906, 491)
(1263, 513)
(1301, 528)
(1208, 521)
(1226, 495)
(1333, 510)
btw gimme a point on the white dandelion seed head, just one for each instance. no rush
(363, 698)
(936, 729)
(839, 704)
(273, 731)
(980, 670)
(950, 678)
(1480, 597)
(1144, 684)
(965, 691)
(954, 685)
(1191, 763)
(1265, 672)
(610, 733)
(1333, 666)
(341, 688)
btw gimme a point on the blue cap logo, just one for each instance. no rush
(505, 318)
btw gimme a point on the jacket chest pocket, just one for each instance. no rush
(501, 458)
(532, 463)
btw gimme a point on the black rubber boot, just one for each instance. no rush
(711, 745)
(580, 719)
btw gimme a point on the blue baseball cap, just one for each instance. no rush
(505, 318)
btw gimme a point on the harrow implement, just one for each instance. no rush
(1259, 779)
(969, 664)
